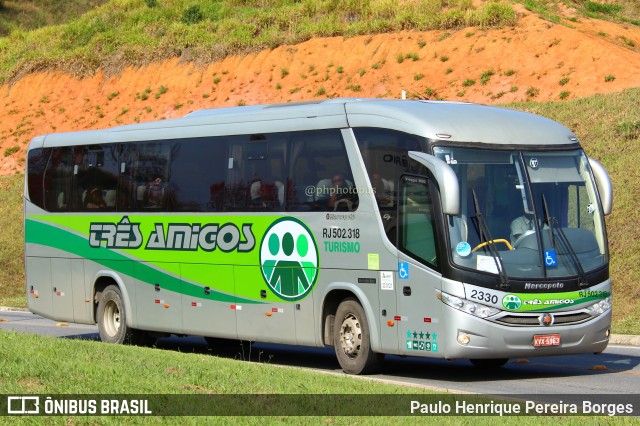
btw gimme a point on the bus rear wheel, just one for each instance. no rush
(112, 321)
(352, 341)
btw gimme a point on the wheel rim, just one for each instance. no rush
(350, 336)
(111, 318)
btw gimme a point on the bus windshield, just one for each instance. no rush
(525, 214)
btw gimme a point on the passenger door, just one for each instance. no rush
(417, 277)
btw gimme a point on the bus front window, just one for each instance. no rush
(530, 214)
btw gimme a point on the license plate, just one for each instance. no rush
(546, 340)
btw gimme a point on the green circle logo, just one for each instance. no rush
(511, 302)
(289, 259)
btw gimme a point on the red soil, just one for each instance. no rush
(535, 60)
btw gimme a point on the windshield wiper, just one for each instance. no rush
(554, 225)
(486, 233)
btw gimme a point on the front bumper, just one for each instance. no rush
(489, 339)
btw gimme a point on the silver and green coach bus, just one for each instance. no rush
(420, 228)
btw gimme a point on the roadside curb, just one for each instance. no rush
(624, 339)
(614, 339)
(10, 309)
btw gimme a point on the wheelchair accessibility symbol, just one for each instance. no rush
(403, 270)
(550, 258)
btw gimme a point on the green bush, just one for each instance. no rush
(606, 8)
(192, 15)
(11, 150)
(485, 76)
(496, 14)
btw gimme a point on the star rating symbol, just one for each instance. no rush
(422, 334)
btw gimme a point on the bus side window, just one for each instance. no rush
(256, 178)
(36, 165)
(95, 180)
(198, 170)
(302, 176)
(321, 173)
(58, 180)
(146, 176)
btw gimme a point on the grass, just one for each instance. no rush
(33, 14)
(81, 366)
(486, 76)
(60, 366)
(618, 11)
(12, 278)
(10, 151)
(200, 382)
(122, 33)
(63, 366)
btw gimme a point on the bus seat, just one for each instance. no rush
(280, 192)
(61, 200)
(140, 191)
(109, 197)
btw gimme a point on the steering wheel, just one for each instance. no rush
(499, 240)
(522, 237)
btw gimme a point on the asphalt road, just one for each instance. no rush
(615, 371)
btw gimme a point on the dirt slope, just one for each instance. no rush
(535, 60)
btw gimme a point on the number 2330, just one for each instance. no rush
(483, 296)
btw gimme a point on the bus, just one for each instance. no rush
(406, 227)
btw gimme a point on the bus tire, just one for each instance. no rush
(489, 363)
(112, 318)
(352, 340)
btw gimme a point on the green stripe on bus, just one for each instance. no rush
(51, 236)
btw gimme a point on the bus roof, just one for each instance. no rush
(437, 120)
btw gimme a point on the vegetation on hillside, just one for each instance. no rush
(28, 15)
(116, 33)
(619, 11)
(135, 32)
(12, 277)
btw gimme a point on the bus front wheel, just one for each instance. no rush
(112, 321)
(352, 341)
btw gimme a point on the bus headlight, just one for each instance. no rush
(464, 305)
(601, 306)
